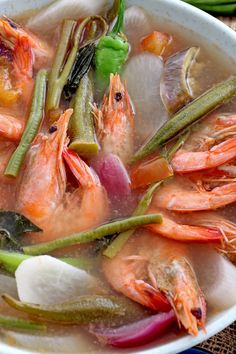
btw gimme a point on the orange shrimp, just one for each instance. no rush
(185, 195)
(6, 150)
(11, 34)
(226, 227)
(7, 184)
(27, 51)
(211, 145)
(149, 267)
(115, 121)
(42, 196)
(184, 231)
(43, 181)
(10, 127)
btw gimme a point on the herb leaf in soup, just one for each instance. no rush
(13, 226)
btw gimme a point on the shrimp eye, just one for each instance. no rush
(118, 96)
(52, 129)
(197, 312)
(12, 24)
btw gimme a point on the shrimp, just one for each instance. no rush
(6, 150)
(185, 195)
(181, 230)
(115, 121)
(149, 267)
(11, 127)
(43, 181)
(11, 34)
(211, 145)
(26, 50)
(7, 184)
(227, 229)
(42, 196)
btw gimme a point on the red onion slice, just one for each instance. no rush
(113, 176)
(137, 333)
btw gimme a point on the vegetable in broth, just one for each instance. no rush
(117, 213)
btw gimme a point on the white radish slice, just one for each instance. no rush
(73, 342)
(143, 75)
(52, 15)
(46, 280)
(216, 276)
(137, 24)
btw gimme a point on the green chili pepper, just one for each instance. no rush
(83, 310)
(95, 234)
(112, 51)
(220, 7)
(114, 248)
(10, 261)
(14, 323)
(81, 128)
(32, 126)
(188, 115)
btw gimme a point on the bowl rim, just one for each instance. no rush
(226, 317)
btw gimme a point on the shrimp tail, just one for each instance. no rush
(148, 296)
(82, 172)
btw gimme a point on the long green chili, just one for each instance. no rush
(114, 248)
(112, 51)
(70, 43)
(81, 128)
(83, 310)
(10, 261)
(32, 126)
(95, 234)
(220, 7)
(195, 110)
(14, 324)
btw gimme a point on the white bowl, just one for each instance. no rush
(218, 35)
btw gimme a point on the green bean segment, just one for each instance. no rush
(95, 234)
(195, 110)
(32, 126)
(114, 248)
(10, 261)
(18, 324)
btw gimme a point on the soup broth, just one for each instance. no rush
(210, 67)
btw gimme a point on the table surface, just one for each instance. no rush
(224, 342)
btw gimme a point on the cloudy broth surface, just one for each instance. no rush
(211, 67)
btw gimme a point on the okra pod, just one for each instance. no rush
(81, 128)
(188, 115)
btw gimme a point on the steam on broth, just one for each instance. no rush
(117, 175)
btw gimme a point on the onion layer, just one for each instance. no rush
(137, 333)
(113, 176)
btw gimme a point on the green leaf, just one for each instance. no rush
(12, 227)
